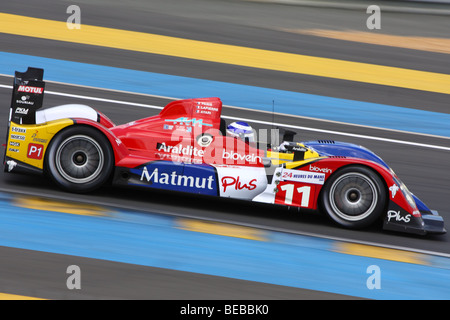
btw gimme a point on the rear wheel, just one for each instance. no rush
(354, 197)
(79, 159)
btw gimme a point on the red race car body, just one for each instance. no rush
(186, 148)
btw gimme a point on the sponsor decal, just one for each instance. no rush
(30, 89)
(22, 101)
(191, 178)
(236, 184)
(175, 179)
(241, 182)
(183, 128)
(22, 110)
(18, 130)
(36, 139)
(395, 215)
(231, 155)
(317, 169)
(35, 151)
(393, 189)
(13, 150)
(14, 144)
(178, 158)
(299, 149)
(303, 176)
(189, 122)
(17, 137)
(180, 150)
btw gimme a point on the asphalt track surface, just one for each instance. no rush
(423, 169)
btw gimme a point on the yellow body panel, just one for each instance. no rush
(28, 143)
(288, 158)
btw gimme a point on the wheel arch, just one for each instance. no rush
(371, 167)
(380, 172)
(95, 131)
(118, 149)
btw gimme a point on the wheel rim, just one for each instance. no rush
(79, 159)
(353, 196)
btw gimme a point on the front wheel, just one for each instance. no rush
(79, 159)
(354, 197)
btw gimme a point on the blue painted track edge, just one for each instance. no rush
(151, 239)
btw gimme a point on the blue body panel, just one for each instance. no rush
(343, 149)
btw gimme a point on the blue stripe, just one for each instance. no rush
(287, 102)
(153, 240)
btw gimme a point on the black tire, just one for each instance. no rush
(79, 159)
(354, 197)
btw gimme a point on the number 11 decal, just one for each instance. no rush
(300, 196)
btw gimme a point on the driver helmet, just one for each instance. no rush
(241, 130)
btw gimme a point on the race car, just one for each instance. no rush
(189, 148)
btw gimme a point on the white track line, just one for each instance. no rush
(273, 113)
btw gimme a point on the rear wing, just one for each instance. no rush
(203, 113)
(27, 96)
